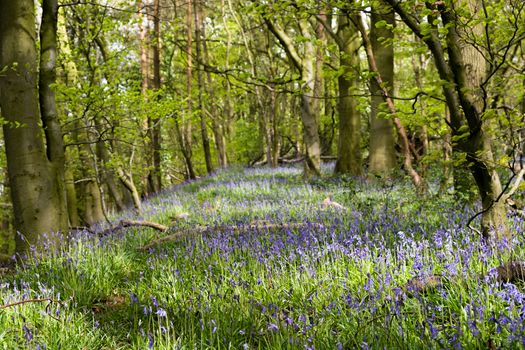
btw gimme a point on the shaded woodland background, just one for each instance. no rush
(105, 103)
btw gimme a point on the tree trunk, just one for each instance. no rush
(349, 158)
(107, 174)
(183, 127)
(309, 103)
(156, 140)
(382, 143)
(72, 205)
(217, 121)
(197, 12)
(464, 71)
(93, 212)
(274, 134)
(150, 71)
(37, 190)
(401, 131)
(48, 109)
(127, 180)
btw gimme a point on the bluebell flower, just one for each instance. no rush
(161, 312)
(273, 327)
(28, 333)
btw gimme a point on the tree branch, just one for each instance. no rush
(286, 43)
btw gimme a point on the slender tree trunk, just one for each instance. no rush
(107, 174)
(150, 70)
(36, 191)
(306, 64)
(186, 153)
(156, 136)
(183, 127)
(127, 180)
(448, 169)
(197, 11)
(420, 144)
(217, 121)
(274, 139)
(382, 142)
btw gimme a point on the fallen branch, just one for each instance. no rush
(199, 230)
(156, 226)
(129, 223)
(29, 301)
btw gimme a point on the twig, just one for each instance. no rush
(40, 300)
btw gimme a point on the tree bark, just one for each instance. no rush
(349, 158)
(183, 126)
(306, 65)
(216, 119)
(36, 190)
(93, 211)
(403, 137)
(197, 12)
(127, 180)
(48, 109)
(156, 140)
(72, 205)
(382, 142)
(150, 70)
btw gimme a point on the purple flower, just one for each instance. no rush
(161, 312)
(273, 327)
(134, 298)
(154, 300)
(28, 334)
(151, 341)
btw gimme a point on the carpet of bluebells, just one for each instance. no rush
(333, 279)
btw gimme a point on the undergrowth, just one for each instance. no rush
(334, 279)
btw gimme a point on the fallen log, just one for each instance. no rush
(237, 229)
(130, 223)
(157, 226)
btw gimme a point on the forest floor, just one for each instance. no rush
(260, 259)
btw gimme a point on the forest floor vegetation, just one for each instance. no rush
(262, 262)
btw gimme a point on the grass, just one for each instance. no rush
(347, 285)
